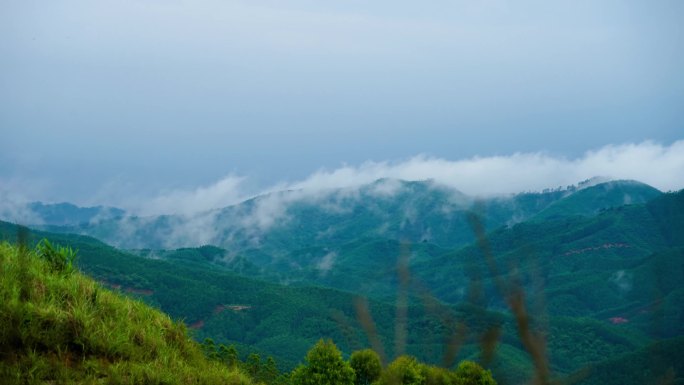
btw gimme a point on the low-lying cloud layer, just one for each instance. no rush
(648, 162)
(223, 193)
(661, 166)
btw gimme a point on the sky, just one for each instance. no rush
(157, 102)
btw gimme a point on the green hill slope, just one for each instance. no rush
(590, 201)
(621, 263)
(659, 363)
(58, 326)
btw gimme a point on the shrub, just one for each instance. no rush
(61, 259)
(325, 366)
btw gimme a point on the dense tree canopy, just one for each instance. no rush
(366, 365)
(470, 373)
(405, 370)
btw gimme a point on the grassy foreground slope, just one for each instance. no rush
(59, 326)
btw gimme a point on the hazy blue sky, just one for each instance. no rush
(100, 100)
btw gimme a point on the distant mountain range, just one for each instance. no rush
(66, 214)
(597, 269)
(387, 208)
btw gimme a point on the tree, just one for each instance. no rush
(209, 348)
(366, 365)
(269, 371)
(253, 365)
(470, 373)
(228, 355)
(438, 376)
(405, 370)
(325, 366)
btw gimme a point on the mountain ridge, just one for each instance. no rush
(415, 211)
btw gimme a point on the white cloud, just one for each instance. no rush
(622, 279)
(658, 165)
(16, 211)
(655, 164)
(326, 263)
(15, 194)
(661, 166)
(386, 188)
(225, 192)
(269, 208)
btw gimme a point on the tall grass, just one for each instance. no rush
(58, 326)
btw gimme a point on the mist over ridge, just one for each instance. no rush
(656, 164)
(415, 211)
(230, 212)
(484, 176)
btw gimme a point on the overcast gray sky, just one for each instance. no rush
(105, 100)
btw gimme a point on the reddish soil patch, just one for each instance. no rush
(197, 325)
(618, 320)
